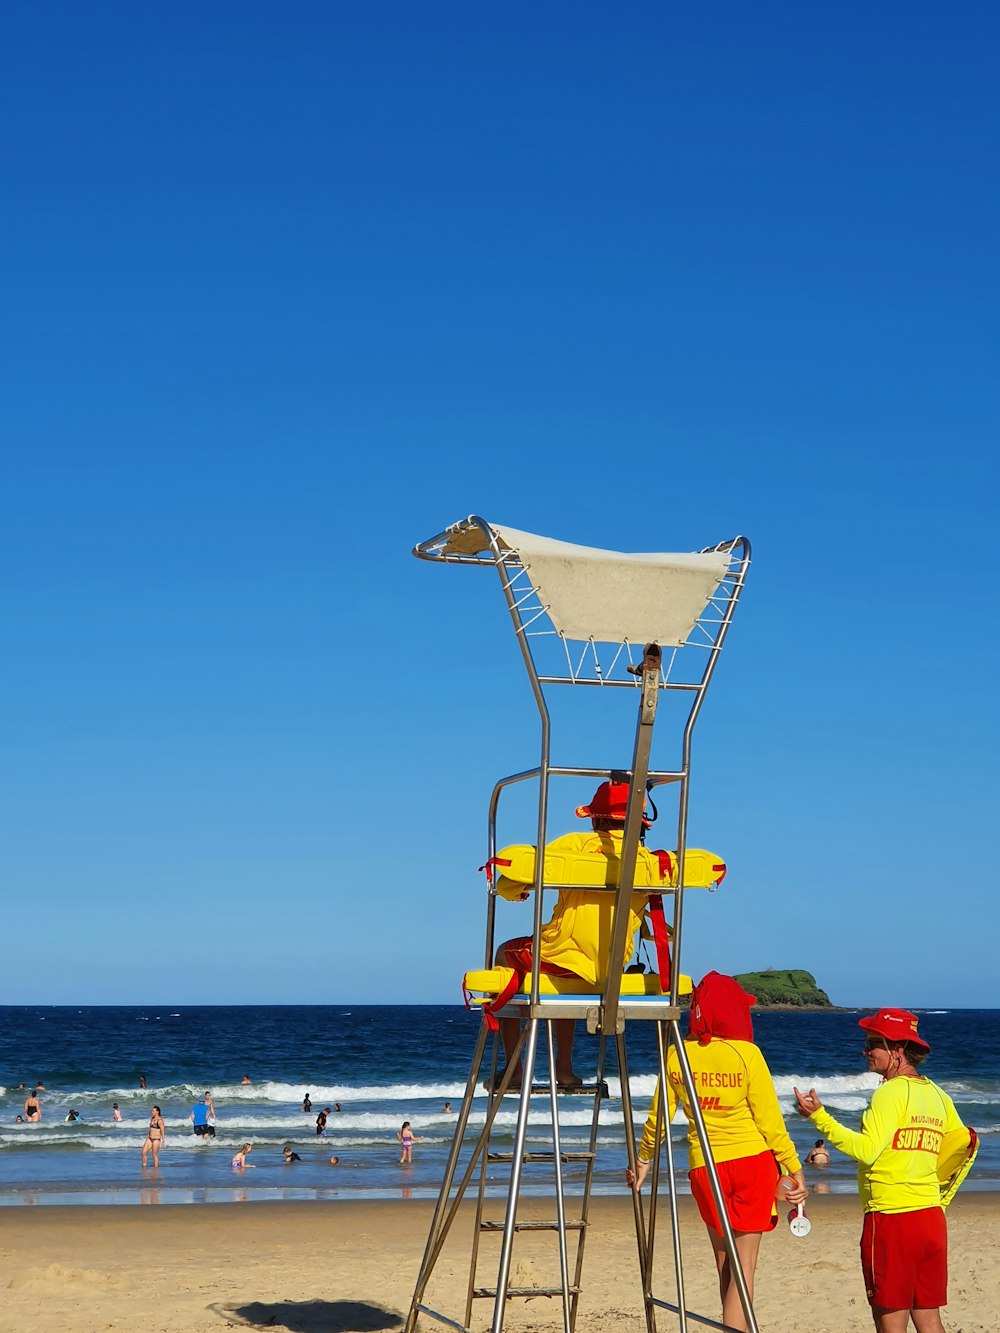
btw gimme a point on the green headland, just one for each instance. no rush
(794, 988)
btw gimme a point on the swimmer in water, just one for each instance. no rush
(239, 1162)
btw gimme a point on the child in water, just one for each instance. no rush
(239, 1161)
(406, 1139)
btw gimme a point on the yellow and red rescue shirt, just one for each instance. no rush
(738, 1102)
(898, 1144)
(578, 936)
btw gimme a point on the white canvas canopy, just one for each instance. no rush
(607, 596)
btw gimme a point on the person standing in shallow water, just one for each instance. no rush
(199, 1119)
(155, 1137)
(32, 1108)
(406, 1138)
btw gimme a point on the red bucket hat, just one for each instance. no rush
(610, 801)
(894, 1025)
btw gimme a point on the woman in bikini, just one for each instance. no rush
(155, 1136)
(406, 1140)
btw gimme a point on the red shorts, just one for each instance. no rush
(516, 953)
(904, 1257)
(748, 1185)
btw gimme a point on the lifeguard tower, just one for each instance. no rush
(653, 624)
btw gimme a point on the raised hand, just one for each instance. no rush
(807, 1102)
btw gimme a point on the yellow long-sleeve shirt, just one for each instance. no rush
(578, 934)
(898, 1144)
(737, 1099)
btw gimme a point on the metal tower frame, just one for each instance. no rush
(546, 585)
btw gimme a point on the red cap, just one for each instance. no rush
(610, 801)
(894, 1025)
(720, 1007)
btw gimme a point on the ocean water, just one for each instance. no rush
(383, 1065)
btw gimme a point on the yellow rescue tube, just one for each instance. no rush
(491, 981)
(566, 866)
(958, 1152)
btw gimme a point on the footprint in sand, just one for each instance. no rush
(59, 1275)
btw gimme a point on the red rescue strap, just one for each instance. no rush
(488, 867)
(661, 931)
(519, 960)
(661, 938)
(491, 1009)
(665, 861)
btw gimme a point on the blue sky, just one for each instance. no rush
(288, 289)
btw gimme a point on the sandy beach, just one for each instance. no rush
(350, 1268)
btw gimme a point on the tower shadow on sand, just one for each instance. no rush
(314, 1316)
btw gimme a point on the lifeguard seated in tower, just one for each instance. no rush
(576, 940)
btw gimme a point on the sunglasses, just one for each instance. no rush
(877, 1044)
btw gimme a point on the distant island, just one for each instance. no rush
(792, 989)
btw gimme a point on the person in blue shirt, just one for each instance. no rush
(199, 1118)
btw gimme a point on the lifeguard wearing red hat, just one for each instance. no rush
(912, 1152)
(895, 1025)
(574, 940)
(610, 801)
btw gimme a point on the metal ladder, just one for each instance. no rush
(520, 1155)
